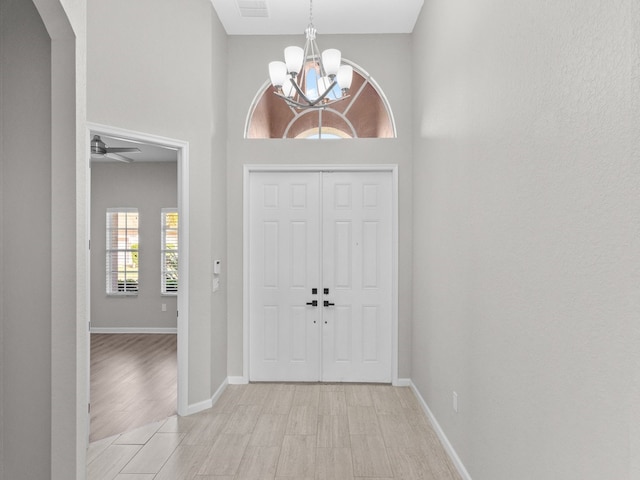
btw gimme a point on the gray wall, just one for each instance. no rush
(526, 227)
(149, 187)
(218, 206)
(387, 58)
(161, 72)
(25, 115)
(43, 98)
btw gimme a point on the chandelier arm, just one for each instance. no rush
(294, 104)
(321, 97)
(300, 92)
(291, 101)
(317, 100)
(315, 54)
(308, 45)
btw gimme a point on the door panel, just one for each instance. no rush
(320, 230)
(357, 263)
(284, 254)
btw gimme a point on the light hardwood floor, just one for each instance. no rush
(278, 431)
(133, 381)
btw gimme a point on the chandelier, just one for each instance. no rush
(307, 79)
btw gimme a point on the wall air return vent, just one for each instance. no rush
(253, 8)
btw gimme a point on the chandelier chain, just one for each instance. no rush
(311, 12)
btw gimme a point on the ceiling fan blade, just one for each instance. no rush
(121, 149)
(120, 158)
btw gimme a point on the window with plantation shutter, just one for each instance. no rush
(122, 251)
(169, 251)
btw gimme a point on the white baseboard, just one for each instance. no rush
(237, 380)
(164, 331)
(206, 404)
(199, 407)
(219, 392)
(441, 435)
(402, 382)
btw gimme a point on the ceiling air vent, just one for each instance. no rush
(256, 8)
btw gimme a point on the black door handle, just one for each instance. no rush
(328, 304)
(313, 303)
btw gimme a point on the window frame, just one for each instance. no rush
(113, 288)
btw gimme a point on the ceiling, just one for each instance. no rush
(147, 153)
(284, 17)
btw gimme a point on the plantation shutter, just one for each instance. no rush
(122, 251)
(169, 251)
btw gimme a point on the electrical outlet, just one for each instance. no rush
(164, 307)
(455, 402)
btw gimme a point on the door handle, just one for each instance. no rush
(314, 303)
(328, 304)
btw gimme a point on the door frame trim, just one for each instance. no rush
(279, 168)
(182, 150)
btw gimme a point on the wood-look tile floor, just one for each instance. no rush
(283, 431)
(133, 381)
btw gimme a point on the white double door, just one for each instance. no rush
(320, 268)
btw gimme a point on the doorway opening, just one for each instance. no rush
(138, 272)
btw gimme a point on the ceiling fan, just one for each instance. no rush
(100, 150)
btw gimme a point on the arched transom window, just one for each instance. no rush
(364, 114)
